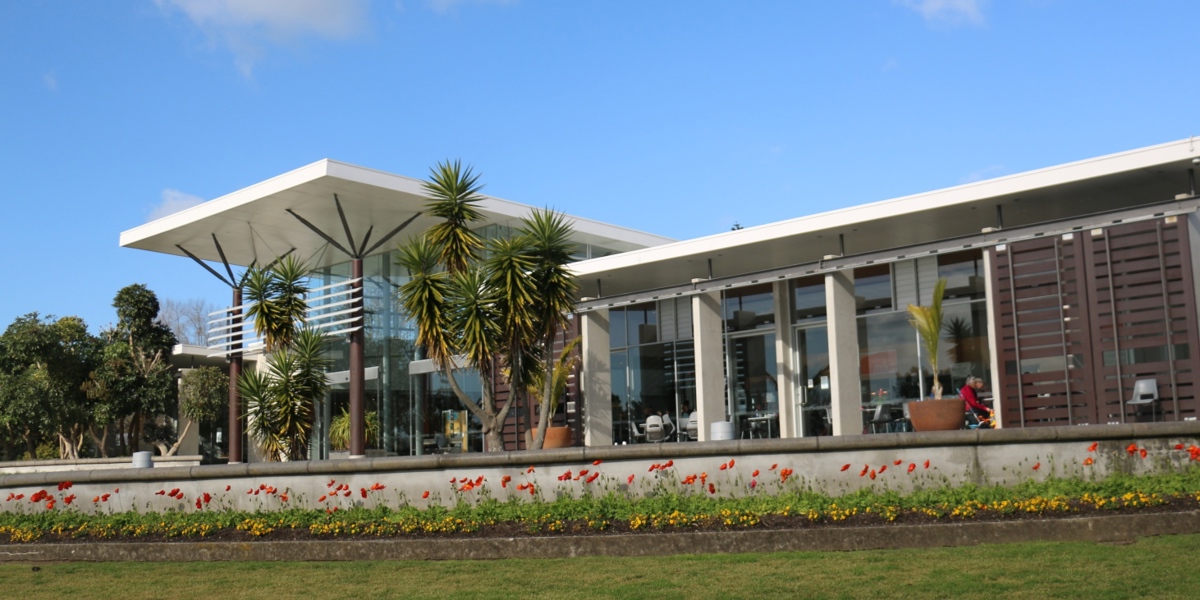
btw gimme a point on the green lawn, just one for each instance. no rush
(1158, 567)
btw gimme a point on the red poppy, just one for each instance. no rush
(479, 481)
(703, 478)
(257, 491)
(926, 464)
(1131, 449)
(1093, 447)
(753, 483)
(69, 499)
(864, 470)
(1087, 462)
(596, 462)
(653, 467)
(882, 469)
(322, 498)
(731, 463)
(1037, 466)
(117, 491)
(592, 477)
(773, 467)
(104, 498)
(198, 503)
(363, 491)
(755, 473)
(872, 473)
(504, 481)
(724, 466)
(283, 497)
(583, 472)
(912, 467)
(426, 494)
(346, 494)
(529, 470)
(331, 482)
(630, 479)
(670, 463)
(712, 489)
(207, 497)
(897, 462)
(228, 487)
(1179, 446)
(160, 493)
(1143, 452)
(531, 489)
(452, 480)
(19, 496)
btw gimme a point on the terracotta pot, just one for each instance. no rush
(557, 437)
(937, 415)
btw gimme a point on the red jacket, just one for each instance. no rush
(971, 400)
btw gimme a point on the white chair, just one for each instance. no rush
(692, 427)
(1145, 391)
(655, 431)
(669, 425)
(635, 433)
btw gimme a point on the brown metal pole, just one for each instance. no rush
(235, 372)
(357, 370)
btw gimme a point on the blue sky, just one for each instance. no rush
(677, 117)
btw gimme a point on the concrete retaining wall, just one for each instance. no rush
(91, 464)
(982, 457)
(1114, 528)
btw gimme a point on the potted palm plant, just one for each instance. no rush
(933, 414)
(556, 437)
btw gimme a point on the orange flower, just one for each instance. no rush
(1143, 452)
(1093, 447)
(755, 473)
(724, 466)
(504, 481)
(531, 489)
(322, 498)
(96, 499)
(426, 494)
(1131, 449)
(283, 497)
(773, 467)
(596, 463)
(872, 473)
(926, 464)
(897, 462)
(846, 467)
(529, 470)
(703, 477)
(1087, 462)
(912, 467)
(1037, 466)
(630, 479)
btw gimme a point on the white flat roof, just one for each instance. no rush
(252, 223)
(1142, 176)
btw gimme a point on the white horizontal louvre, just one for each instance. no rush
(666, 320)
(905, 275)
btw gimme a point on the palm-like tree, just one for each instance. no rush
(548, 236)
(927, 320)
(279, 402)
(453, 195)
(276, 295)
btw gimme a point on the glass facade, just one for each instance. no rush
(653, 369)
(751, 368)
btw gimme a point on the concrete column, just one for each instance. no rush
(844, 375)
(785, 380)
(708, 335)
(989, 292)
(596, 386)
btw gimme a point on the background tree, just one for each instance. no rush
(134, 382)
(188, 319)
(203, 394)
(43, 369)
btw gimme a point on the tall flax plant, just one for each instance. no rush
(927, 320)
(548, 236)
(276, 295)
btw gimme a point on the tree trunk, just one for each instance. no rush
(547, 392)
(162, 448)
(100, 441)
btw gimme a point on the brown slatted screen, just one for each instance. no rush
(1066, 356)
(516, 425)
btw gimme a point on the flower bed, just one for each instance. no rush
(670, 501)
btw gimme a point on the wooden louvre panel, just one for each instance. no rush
(1080, 317)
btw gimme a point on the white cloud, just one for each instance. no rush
(247, 26)
(445, 6)
(947, 12)
(50, 81)
(988, 172)
(173, 201)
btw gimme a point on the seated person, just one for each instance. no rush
(974, 409)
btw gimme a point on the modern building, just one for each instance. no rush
(1071, 291)
(345, 222)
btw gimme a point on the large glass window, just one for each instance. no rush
(964, 274)
(873, 289)
(808, 298)
(649, 378)
(748, 308)
(753, 393)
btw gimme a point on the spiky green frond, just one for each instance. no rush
(548, 235)
(277, 303)
(474, 316)
(453, 197)
(425, 297)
